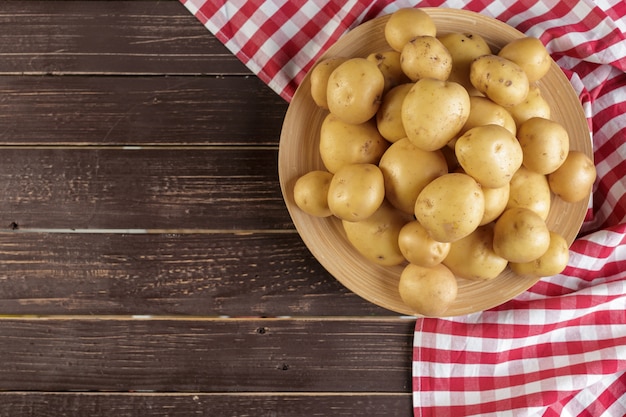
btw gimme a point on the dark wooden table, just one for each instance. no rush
(148, 265)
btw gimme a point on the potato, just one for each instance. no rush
(310, 193)
(520, 235)
(428, 291)
(376, 238)
(550, 263)
(450, 207)
(344, 143)
(389, 114)
(545, 144)
(530, 190)
(496, 200)
(388, 63)
(356, 191)
(530, 54)
(425, 57)
(473, 257)
(501, 80)
(490, 154)
(418, 246)
(464, 48)
(355, 90)
(407, 170)
(433, 112)
(405, 24)
(573, 180)
(483, 111)
(319, 79)
(533, 106)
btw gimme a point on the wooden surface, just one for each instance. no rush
(148, 264)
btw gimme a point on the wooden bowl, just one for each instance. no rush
(325, 238)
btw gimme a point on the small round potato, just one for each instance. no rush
(483, 111)
(473, 257)
(407, 23)
(428, 291)
(356, 191)
(550, 263)
(545, 144)
(501, 80)
(344, 143)
(388, 63)
(534, 106)
(376, 238)
(496, 200)
(319, 79)
(530, 54)
(389, 115)
(574, 179)
(425, 57)
(464, 48)
(490, 154)
(418, 246)
(355, 90)
(520, 235)
(310, 193)
(450, 207)
(433, 112)
(407, 170)
(530, 190)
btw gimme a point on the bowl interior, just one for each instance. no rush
(325, 238)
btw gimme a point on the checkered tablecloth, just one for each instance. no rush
(559, 349)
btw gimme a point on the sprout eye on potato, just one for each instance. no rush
(439, 155)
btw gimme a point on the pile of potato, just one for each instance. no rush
(440, 155)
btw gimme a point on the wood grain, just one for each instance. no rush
(28, 404)
(167, 355)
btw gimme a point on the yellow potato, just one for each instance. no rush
(355, 90)
(418, 246)
(450, 207)
(530, 54)
(501, 80)
(319, 79)
(473, 257)
(407, 170)
(356, 191)
(428, 291)
(405, 24)
(388, 63)
(574, 179)
(464, 48)
(520, 235)
(530, 190)
(425, 57)
(545, 144)
(376, 238)
(483, 111)
(496, 200)
(389, 115)
(550, 263)
(490, 154)
(533, 106)
(344, 143)
(433, 112)
(310, 193)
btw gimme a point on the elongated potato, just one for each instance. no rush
(530, 54)
(311, 193)
(319, 79)
(501, 80)
(425, 57)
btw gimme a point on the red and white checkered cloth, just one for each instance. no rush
(559, 349)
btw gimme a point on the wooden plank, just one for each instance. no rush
(139, 111)
(220, 355)
(100, 37)
(259, 274)
(35, 404)
(208, 188)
